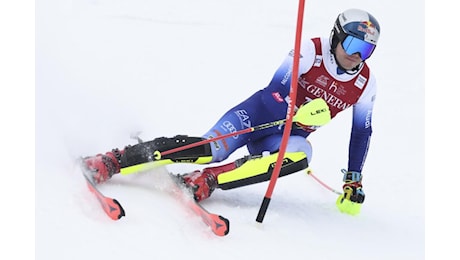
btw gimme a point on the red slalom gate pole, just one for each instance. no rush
(289, 116)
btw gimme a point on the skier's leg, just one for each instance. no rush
(135, 157)
(140, 157)
(244, 171)
(251, 169)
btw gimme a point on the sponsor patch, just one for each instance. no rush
(318, 60)
(277, 97)
(322, 80)
(360, 81)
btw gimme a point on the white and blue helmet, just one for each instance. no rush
(358, 32)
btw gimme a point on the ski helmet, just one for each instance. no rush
(357, 31)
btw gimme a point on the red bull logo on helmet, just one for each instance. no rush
(367, 27)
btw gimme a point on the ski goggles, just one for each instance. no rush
(353, 45)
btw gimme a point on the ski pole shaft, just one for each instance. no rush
(310, 172)
(314, 113)
(158, 155)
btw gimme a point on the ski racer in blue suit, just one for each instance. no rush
(333, 69)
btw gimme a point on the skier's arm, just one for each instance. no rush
(353, 195)
(361, 128)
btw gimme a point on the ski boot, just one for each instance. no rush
(203, 183)
(104, 166)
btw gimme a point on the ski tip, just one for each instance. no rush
(121, 210)
(220, 225)
(226, 230)
(113, 209)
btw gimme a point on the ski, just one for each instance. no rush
(110, 205)
(218, 224)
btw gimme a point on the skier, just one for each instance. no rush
(333, 69)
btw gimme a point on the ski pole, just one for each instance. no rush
(310, 172)
(314, 113)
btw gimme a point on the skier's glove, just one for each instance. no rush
(353, 195)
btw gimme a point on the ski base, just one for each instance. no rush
(218, 224)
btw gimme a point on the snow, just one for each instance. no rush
(107, 69)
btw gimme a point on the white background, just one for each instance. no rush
(105, 69)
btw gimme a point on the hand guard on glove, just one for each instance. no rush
(353, 195)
